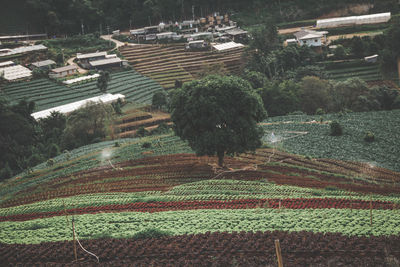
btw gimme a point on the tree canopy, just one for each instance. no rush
(218, 115)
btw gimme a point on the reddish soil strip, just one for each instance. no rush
(213, 249)
(295, 203)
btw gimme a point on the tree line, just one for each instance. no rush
(88, 16)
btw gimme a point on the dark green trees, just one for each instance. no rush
(218, 115)
(102, 82)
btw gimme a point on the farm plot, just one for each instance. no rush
(167, 63)
(344, 71)
(219, 249)
(48, 94)
(384, 152)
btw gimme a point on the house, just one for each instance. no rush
(63, 71)
(238, 35)
(84, 59)
(110, 62)
(311, 38)
(45, 64)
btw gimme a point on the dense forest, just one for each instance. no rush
(73, 17)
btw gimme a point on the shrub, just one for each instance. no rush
(5, 172)
(146, 145)
(141, 132)
(369, 137)
(336, 129)
(117, 144)
(319, 111)
(50, 162)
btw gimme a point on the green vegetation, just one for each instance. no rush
(218, 115)
(130, 224)
(317, 142)
(47, 94)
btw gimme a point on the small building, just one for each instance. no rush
(371, 59)
(291, 42)
(107, 63)
(63, 71)
(165, 35)
(201, 35)
(196, 45)
(311, 38)
(151, 30)
(238, 35)
(84, 59)
(45, 64)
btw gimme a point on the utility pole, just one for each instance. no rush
(130, 24)
(108, 34)
(193, 12)
(101, 29)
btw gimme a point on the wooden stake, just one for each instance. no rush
(73, 234)
(370, 209)
(278, 253)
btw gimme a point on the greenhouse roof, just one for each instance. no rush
(83, 78)
(90, 55)
(16, 72)
(6, 63)
(105, 61)
(68, 108)
(43, 63)
(24, 49)
(226, 46)
(355, 18)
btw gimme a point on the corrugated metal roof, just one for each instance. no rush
(68, 108)
(308, 34)
(24, 49)
(90, 55)
(43, 63)
(236, 32)
(65, 68)
(105, 61)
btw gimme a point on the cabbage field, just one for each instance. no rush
(48, 94)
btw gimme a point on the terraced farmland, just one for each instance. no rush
(48, 94)
(163, 205)
(366, 73)
(167, 63)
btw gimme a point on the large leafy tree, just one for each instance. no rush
(102, 81)
(218, 115)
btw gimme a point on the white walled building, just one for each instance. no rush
(311, 38)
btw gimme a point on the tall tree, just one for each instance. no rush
(102, 82)
(218, 115)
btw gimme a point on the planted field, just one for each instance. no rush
(317, 142)
(191, 209)
(366, 72)
(48, 94)
(167, 63)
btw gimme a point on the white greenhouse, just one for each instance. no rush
(68, 108)
(354, 20)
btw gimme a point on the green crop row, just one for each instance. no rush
(127, 224)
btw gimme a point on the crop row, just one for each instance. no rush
(356, 222)
(294, 203)
(214, 249)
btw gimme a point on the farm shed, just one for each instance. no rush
(201, 35)
(63, 71)
(45, 64)
(80, 79)
(237, 35)
(226, 46)
(22, 50)
(354, 20)
(84, 59)
(200, 44)
(15, 73)
(165, 35)
(23, 37)
(68, 108)
(106, 63)
(371, 59)
(311, 38)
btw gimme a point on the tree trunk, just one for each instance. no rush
(220, 155)
(398, 66)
